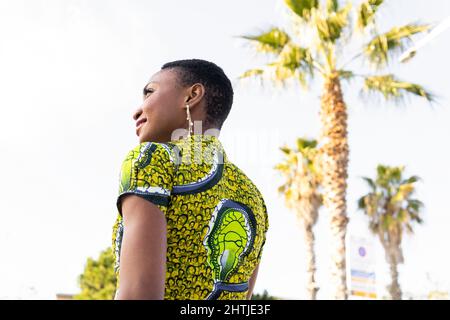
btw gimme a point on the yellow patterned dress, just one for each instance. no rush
(216, 217)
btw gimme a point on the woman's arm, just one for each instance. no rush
(143, 253)
(251, 283)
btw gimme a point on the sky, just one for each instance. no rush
(72, 74)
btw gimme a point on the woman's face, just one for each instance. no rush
(163, 108)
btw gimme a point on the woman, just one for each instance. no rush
(190, 224)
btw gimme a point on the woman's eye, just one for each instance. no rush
(148, 91)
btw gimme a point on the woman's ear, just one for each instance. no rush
(195, 95)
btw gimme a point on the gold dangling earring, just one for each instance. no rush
(190, 124)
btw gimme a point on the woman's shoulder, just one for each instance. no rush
(150, 152)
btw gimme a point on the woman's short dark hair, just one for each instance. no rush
(218, 88)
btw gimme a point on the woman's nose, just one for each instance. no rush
(137, 113)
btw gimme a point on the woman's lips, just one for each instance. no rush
(139, 124)
(140, 121)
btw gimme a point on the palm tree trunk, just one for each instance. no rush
(335, 153)
(394, 287)
(310, 263)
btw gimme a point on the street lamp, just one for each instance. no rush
(411, 52)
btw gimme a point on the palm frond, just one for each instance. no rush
(390, 208)
(388, 176)
(361, 203)
(271, 41)
(394, 89)
(332, 5)
(303, 144)
(387, 45)
(415, 205)
(414, 216)
(403, 192)
(329, 27)
(286, 150)
(281, 189)
(302, 8)
(281, 166)
(279, 74)
(345, 74)
(257, 74)
(366, 13)
(295, 57)
(293, 62)
(370, 182)
(273, 72)
(301, 185)
(251, 73)
(411, 179)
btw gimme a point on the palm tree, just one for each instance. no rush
(302, 195)
(263, 296)
(323, 33)
(391, 212)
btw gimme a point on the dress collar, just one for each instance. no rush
(202, 147)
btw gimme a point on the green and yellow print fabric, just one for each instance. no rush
(216, 217)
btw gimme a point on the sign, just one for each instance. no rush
(362, 269)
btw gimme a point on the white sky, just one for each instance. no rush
(71, 74)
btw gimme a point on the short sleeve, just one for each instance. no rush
(265, 228)
(147, 171)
